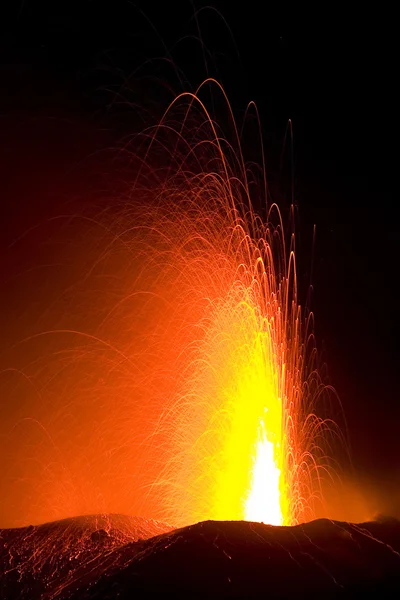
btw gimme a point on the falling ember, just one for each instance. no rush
(185, 371)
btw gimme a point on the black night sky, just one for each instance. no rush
(331, 72)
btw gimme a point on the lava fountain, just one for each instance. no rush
(246, 440)
(182, 342)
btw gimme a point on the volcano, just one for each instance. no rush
(158, 355)
(114, 556)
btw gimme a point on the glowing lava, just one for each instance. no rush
(250, 479)
(264, 499)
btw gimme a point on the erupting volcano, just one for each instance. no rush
(167, 426)
(188, 390)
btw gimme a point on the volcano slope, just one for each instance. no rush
(113, 556)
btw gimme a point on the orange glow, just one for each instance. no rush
(174, 374)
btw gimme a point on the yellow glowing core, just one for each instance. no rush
(246, 441)
(264, 500)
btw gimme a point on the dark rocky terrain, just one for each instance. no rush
(113, 556)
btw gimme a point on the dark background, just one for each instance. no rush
(70, 89)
